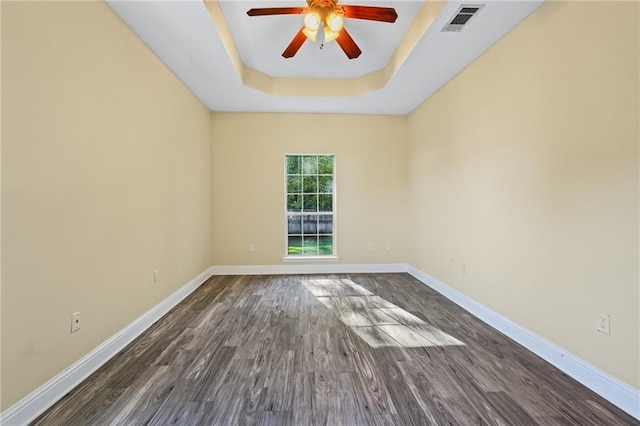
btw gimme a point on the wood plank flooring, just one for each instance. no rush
(356, 349)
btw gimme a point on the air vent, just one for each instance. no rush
(461, 18)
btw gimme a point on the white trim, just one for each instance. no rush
(310, 259)
(331, 268)
(334, 233)
(618, 393)
(34, 404)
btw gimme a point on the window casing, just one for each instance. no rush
(310, 205)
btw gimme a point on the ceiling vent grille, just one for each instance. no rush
(462, 17)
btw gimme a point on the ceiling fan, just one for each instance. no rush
(327, 14)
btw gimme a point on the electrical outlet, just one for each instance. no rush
(155, 277)
(252, 248)
(370, 246)
(604, 325)
(388, 246)
(75, 322)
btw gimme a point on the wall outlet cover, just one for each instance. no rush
(603, 325)
(75, 322)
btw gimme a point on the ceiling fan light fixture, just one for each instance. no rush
(329, 35)
(311, 34)
(335, 22)
(311, 21)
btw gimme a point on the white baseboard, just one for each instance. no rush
(620, 394)
(316, 268)
(34, 404)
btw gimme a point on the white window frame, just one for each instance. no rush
(307, 257)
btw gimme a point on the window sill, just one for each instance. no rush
(310, 259)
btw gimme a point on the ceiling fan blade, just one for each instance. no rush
(295, 44)
(348, 45)
(370, 13)
(275, 11)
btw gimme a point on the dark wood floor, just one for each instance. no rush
(352, 349)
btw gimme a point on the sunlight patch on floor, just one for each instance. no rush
(376, 320)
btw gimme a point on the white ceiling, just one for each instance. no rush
(183, 36)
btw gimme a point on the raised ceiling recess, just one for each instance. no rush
(261, 40)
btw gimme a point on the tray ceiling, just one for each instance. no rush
(183, 35)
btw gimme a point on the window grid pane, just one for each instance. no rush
(309, 191)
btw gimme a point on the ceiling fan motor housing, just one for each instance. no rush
(322, 4)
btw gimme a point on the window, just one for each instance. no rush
(310, 205)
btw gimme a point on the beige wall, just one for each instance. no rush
(524, 171)
(105, 177)
(248, 183)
